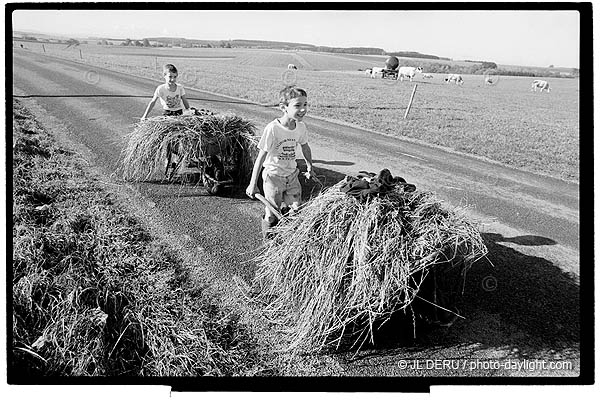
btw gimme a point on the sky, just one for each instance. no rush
(514, 37)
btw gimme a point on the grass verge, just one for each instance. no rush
(93, 294)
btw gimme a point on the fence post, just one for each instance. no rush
(80, 55)
(44, 47)
(412, 96)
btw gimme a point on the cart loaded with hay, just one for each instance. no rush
(367, 249)
(213, 150)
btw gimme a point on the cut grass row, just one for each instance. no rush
(93, 294)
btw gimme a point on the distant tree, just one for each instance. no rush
(146, 43)
(209, 46)
(127, 42)
(489, 65)
(104, 42)
(137, 43)
(551, 66)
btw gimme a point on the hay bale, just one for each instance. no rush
(341, 262)
(194, 137)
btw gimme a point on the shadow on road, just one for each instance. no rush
(344, 163)
(525, 240)
(513, 300)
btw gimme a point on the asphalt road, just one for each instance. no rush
(535, 216)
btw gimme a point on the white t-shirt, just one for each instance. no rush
(281, 143)
(170, 100)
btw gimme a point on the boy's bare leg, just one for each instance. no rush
(273, 193)
(293, 197)
(267, 223)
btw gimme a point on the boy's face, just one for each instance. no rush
(296, 108)
(170, 77)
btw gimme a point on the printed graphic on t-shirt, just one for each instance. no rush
(172, 101)
(288, 149)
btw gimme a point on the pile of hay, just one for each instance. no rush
(342, 263)
(194, 137)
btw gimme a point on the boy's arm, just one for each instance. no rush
(252, 186)
(307, 152)
(186, 104)
(150, 107)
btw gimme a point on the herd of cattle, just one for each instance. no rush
(410, 72)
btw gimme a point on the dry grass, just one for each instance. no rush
(195, 137)
(93, 293)
(341, 264)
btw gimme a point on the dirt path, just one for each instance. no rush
(525, 305)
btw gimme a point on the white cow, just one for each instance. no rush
(456, 78)
(408, 72)
(377, 72)
(538, 83)
(291, 66)
(428, 76)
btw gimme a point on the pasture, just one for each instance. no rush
(505, 122)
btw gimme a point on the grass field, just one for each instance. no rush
(506, 122)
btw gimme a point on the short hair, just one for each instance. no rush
(169, 68)
(290, 92)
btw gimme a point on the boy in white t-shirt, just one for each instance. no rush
(171, 94)
(277, 154)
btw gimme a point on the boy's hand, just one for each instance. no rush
(250, 190)
(311, 175)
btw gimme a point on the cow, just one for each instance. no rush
(291, 66)
(428, 76)
(408, 72)
(538, 83)
(456, 78)
(377, 72)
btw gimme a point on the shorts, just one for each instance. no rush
(169, 113)
(280, 189)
